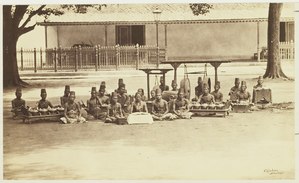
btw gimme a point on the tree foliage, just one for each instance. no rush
(200, 8)
(17, 21)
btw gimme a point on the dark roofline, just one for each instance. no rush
(161, 22)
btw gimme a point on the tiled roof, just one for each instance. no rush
(173, 12)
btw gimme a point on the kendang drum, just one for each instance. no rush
(166, 95)
(140, 118)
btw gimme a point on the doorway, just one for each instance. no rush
(127, 35)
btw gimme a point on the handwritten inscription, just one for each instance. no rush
(273, 171)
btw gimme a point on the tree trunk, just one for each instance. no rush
(273, 65)
(11, 75)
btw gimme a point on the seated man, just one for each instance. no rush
(141, 92)
(181, 106)
(72, 112)
(161, 86)
(218, 96)
(234, 90)
(259, 83)
(153, 95)
(43, 103)
(66, 95)
(206, 97)
(103, 86)
(261, 94)
(124, 100)
(18, 104)
(120, 83)
(104, 99)
(94, 105)
(160, 109)
(198, 88)
(138, 105)
(243, 95)
(174, 85)
(114, 110)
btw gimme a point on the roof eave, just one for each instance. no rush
(161, 22)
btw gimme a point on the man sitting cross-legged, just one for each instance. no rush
(114, 110)
(160, 109)
(72, 112)
(18, 104)
(94, 106)
(181, 106)
(138, 105)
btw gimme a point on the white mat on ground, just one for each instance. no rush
(140, 118)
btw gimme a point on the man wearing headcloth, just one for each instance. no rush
(120, 84)
(174, 85)
(66, 95)
(198, 88)
(243, 95)
(104, 99)
(44, 103)
(124, 100)
(141, 92)
(161, 86)
(259, 83)
(218, 96)
(153, 95)
(18, 104)
(114, 110)
(181, 106)
(206, 97)
(103, 86)
(234, 90)
(138, 105)
(160, 110)
(94, 105)
(72, 112)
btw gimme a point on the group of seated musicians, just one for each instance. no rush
(119, 104)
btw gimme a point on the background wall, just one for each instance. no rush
(150, 35)
(33, 39)
(204, 40)
(91, 34)
(212, 40)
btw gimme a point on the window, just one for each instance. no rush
(282, 36)
(130, 34)
(286, 32)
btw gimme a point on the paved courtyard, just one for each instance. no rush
(257, 145)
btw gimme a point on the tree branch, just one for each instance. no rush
(19, 14)
(31, 15)
(25, 30)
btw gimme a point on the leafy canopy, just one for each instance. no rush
(200, 8)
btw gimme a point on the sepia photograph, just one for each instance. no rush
(149, 91)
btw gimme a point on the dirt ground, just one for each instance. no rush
(257, 145)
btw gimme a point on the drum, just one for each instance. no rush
(84, 113)
(140, 118)
(167, 94)
(262, 96)
(149, 106)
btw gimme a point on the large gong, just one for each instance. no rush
(186, 86)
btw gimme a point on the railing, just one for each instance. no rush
(287, 50)
(82, 58)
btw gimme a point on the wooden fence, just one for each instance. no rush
(83, 58)
(287, 50)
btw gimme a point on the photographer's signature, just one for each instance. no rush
(272, 171)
